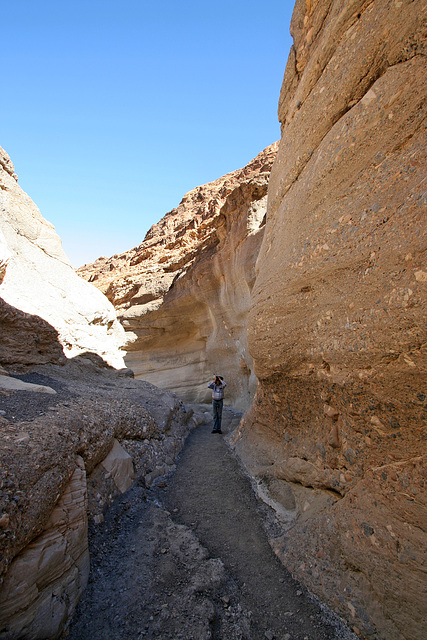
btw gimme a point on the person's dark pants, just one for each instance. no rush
(217, 414)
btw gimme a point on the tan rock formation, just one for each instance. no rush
(27, 339)
(10, 383)
(36, 278)
(337, 330)
(335, 437)
(46, 580)
(74, 433)
(183, 294)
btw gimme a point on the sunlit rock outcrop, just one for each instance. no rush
(39, 280)
(330, 324)
(183, 294)
(337, 325)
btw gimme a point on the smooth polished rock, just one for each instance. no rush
(183, 294)
(37, 278)
(14, 384)
(45, 581)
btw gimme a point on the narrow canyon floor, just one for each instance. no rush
(190, 560)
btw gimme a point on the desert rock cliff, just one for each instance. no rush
(40, 281)
(336, 434)
(183, 294)
(311, 297)
(74, 432)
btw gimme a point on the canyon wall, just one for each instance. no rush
(64, 456)
(40, 281)
(317, 301)
(74, 434)
(336, 434)
(183, 294)
(74, 431)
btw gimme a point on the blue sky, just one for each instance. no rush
(112, 110)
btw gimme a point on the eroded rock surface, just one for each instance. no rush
(336, 434)
(47, 579)
(64, 457)
(183, 294)
(335, 437)
(38, 284)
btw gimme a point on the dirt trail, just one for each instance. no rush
(190, 560)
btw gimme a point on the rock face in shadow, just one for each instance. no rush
(183, 294)
(37, 279)
(26, 339)
(337, 329)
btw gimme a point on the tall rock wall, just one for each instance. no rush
(37, 280)
(337, 326)
(183, 294)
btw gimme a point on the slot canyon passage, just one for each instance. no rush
(193, 560)
(301, 278)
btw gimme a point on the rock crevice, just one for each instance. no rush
(326, 321)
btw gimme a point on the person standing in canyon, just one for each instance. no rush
(217, 386)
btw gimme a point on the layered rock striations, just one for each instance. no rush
(40, 281)
(337, 324)
(64, 456)
(183, 294)
(74, 432)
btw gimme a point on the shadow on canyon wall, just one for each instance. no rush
(27, 339)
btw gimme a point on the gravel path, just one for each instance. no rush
(190, 560)
(27, 405)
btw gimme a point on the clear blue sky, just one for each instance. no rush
(112, 110)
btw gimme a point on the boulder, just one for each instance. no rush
(8, 382)
(119, 464)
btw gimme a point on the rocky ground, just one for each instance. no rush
(190, 559)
